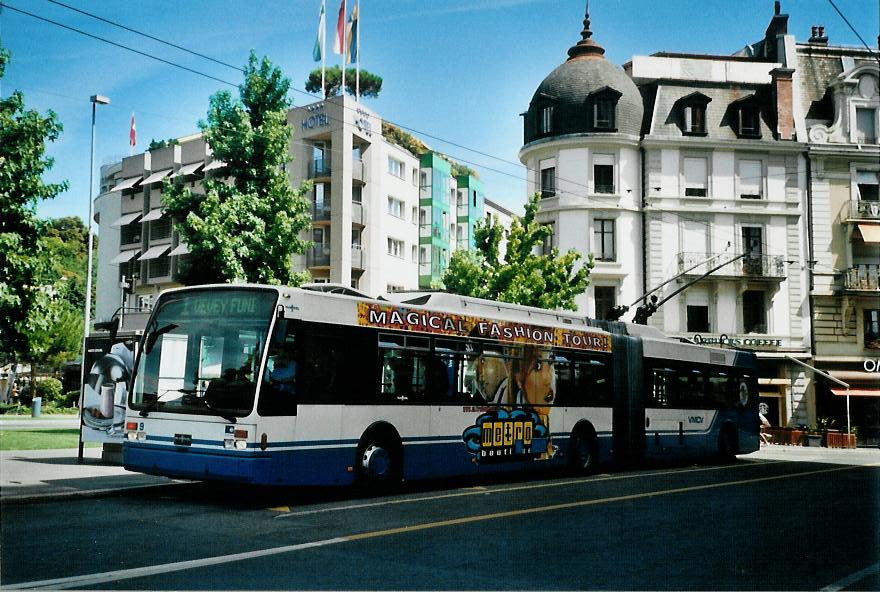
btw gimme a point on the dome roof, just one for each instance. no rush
(574, 88)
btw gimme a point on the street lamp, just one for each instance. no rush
(95, 100)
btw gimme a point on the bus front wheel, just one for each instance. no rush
(378, 463)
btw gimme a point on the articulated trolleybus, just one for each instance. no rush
(290, 386)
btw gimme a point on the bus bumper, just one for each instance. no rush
(197, 465)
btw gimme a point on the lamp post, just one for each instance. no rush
(95, 100)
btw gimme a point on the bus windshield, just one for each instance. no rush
(202, 352)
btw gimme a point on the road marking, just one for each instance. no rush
(488, 491)
(150, 570)
(851, 579)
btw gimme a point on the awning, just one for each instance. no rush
(215, 164)
(154, 252)
(180, 249)
(870, 232)
(189, 169)
(851, 376)
(157, 176)
(154, 215)
(126, 184)
(125, 256)
(857, 392)
(126, 219)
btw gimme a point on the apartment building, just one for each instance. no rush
(376, 209)
(671, 167)
(840, 104)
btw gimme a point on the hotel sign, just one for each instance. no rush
(317, 117)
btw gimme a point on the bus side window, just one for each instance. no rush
(566, 395)
(403, 375)
(278, 390)
(717, 390)
(663, 377)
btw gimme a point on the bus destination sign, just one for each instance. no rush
(442, 323)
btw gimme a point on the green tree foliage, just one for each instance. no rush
(157, 144)
(24, 301)
(249, 227)
(521, 275)
(371, 84)
(65, 242)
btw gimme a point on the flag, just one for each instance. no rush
(317, 52)
(132, 133)
(339, 45)
(352, 36)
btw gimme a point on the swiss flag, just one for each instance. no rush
(132, 133)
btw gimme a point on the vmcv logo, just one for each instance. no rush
(695, 419)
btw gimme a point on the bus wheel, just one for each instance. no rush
(583, 453)
(378, 465)
(727, 445)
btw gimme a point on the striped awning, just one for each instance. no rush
(125, 219)
(125, 256)
(154, 215)
(189, 169)
(154, 252)
(870, 232)
(156, 177)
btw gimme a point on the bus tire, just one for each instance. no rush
(727, 444)
(378, 463)
(583, 451)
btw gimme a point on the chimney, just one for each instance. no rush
(817, 35)
(784, 96)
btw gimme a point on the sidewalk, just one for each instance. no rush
(28, 476)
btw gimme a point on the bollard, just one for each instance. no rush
(36, 404)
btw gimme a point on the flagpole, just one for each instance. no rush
(323, 50)
(344, 52)
(357, 32)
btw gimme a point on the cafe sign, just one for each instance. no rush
(749, 342)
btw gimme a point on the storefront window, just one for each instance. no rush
(872, 329)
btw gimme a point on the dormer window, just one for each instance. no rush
(604, 113)
(747, 118)
(693, 110)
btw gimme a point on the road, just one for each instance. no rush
(771, 525)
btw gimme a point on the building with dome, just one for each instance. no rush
(581, 148)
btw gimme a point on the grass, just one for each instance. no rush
(41, 439)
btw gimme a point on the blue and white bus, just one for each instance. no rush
(290, 386)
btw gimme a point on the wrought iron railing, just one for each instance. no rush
(753, 265)
(859, 209)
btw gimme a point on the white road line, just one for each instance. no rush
(852, 579)
(498, 490)
(137, 572)
(149, 570)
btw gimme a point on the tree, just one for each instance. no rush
(250, 227)
(24, 302)
(371, 84)
(521, 275)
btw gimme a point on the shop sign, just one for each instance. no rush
(737, 341)
(871, 365)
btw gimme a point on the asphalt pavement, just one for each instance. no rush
(40, 475)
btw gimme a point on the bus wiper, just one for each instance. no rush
(152, 337)
(155, 404)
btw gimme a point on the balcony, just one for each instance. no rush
(862, 278)
(859, 209)
(320, 167)
(357, 213)
(754, 266)
(318, 256)
(357, 171)
(321, 211)
(357, 257)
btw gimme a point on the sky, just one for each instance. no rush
(459, 72)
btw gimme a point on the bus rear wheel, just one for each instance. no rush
(727, 445)
(583, 453)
